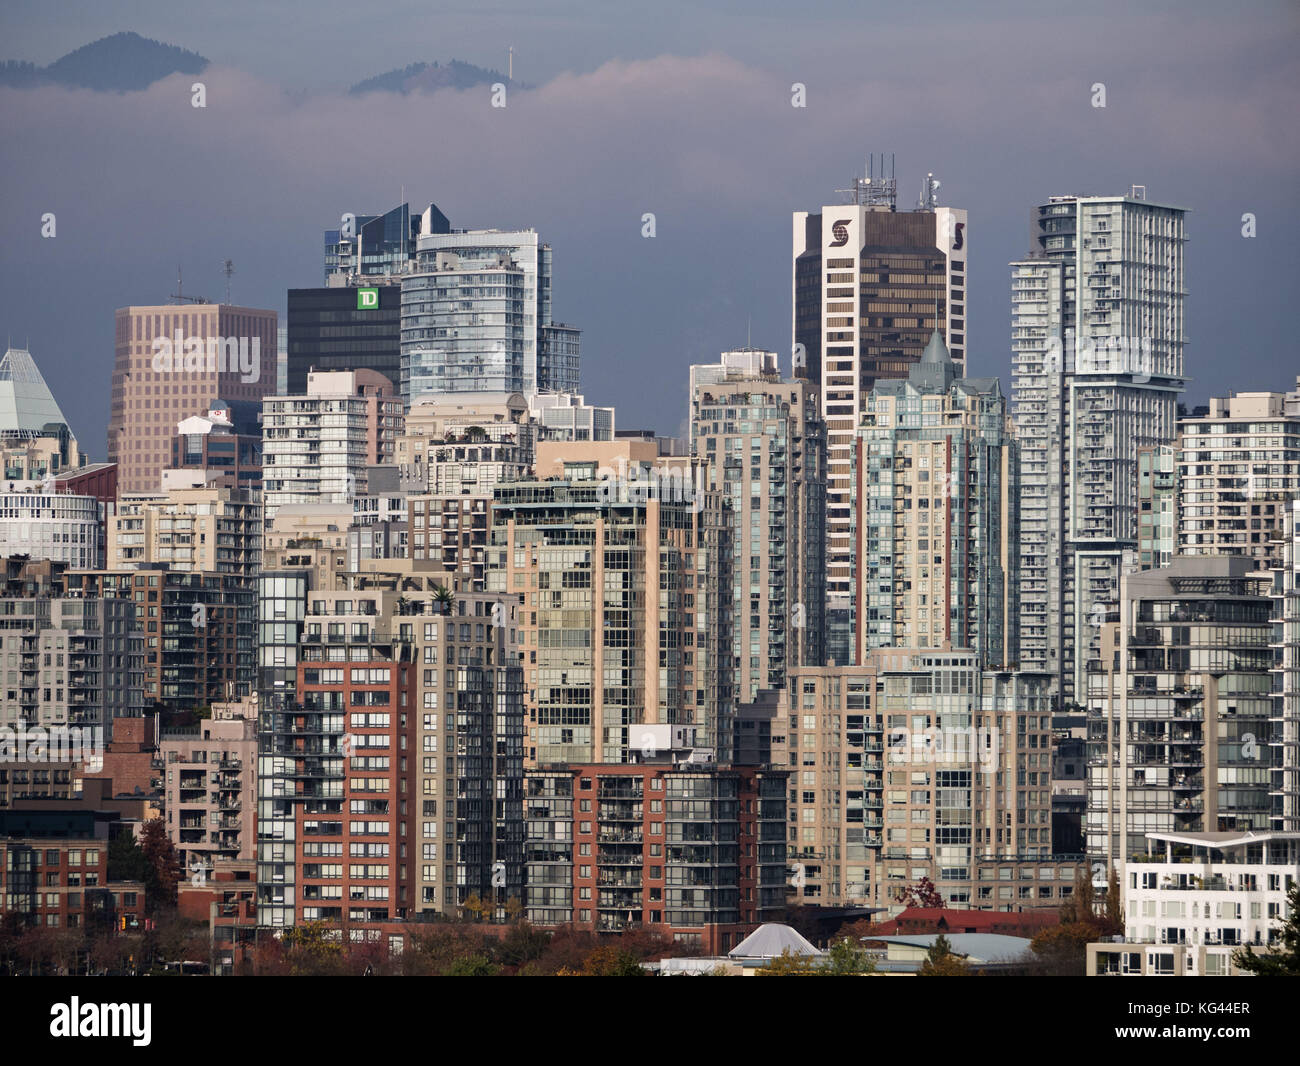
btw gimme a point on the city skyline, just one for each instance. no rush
(399, 617)
(716, 270)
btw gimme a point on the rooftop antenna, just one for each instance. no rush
(928, 201)
(179, 295)
(874, 190)
(228, 268)
(510, 64)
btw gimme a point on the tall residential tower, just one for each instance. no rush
(1097, 343)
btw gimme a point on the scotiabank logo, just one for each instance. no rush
(958, 237)
(841, 231)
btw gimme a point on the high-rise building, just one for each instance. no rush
(870, 285)
(599, 551)
(341, 805)
(1238, 466)
(1179, 707)
(476, 317)
(208, 529)
(30, 417)
(1157, 505)
(936, 499)
(316, 446)
(354, 327)
(688, 850)
(918, 764)
(1097, 342)
(763, 445)
(568, 416)
(169, 362)
(210, 792)
(71, 660)
(1285, 718)
(465, 443)
(378, 244)
(39, 521)
(198, 628)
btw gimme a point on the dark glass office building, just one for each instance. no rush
(344, 329)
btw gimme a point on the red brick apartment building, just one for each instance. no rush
(349, 840)
(691, 850)
(54, 870)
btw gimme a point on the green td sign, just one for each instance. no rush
(367, 299)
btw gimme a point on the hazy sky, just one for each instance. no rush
(678, 109)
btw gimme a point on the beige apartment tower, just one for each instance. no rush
(169, 361)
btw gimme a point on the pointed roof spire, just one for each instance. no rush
(26, 404)
(936, 351)
(936, 371)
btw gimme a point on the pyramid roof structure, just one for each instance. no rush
(26, 404)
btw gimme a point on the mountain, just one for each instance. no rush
(426, 77)
(121, 63)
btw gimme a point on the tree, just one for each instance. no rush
(788, 964)
(1062, 950)
(609, 960)
(923, 895)
(858, 930)
(477, 907)
(174, 938)
(162, 869)
(847, 957)
(473, 966)
(1114, 921)
(567, 949)
(1283, 963)
(522, 944)
(443, 598)
(126, 861)
(1078, 908)
(941, 962)
(310, 952)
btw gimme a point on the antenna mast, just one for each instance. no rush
(928, 201)
(228, 268)
(872, 190)
(179, 295)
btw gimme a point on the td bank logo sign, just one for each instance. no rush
(367, 299)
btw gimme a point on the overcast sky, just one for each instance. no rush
(678, 109)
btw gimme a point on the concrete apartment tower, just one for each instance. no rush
(316, 446)
(476, 317)
(601, 552)
(753, 429)
(169, 361)
(870, 285)
(937, 504)
(1179, 708)
(1237, 467)
(1097, 342)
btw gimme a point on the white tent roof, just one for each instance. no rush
(770, 941)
